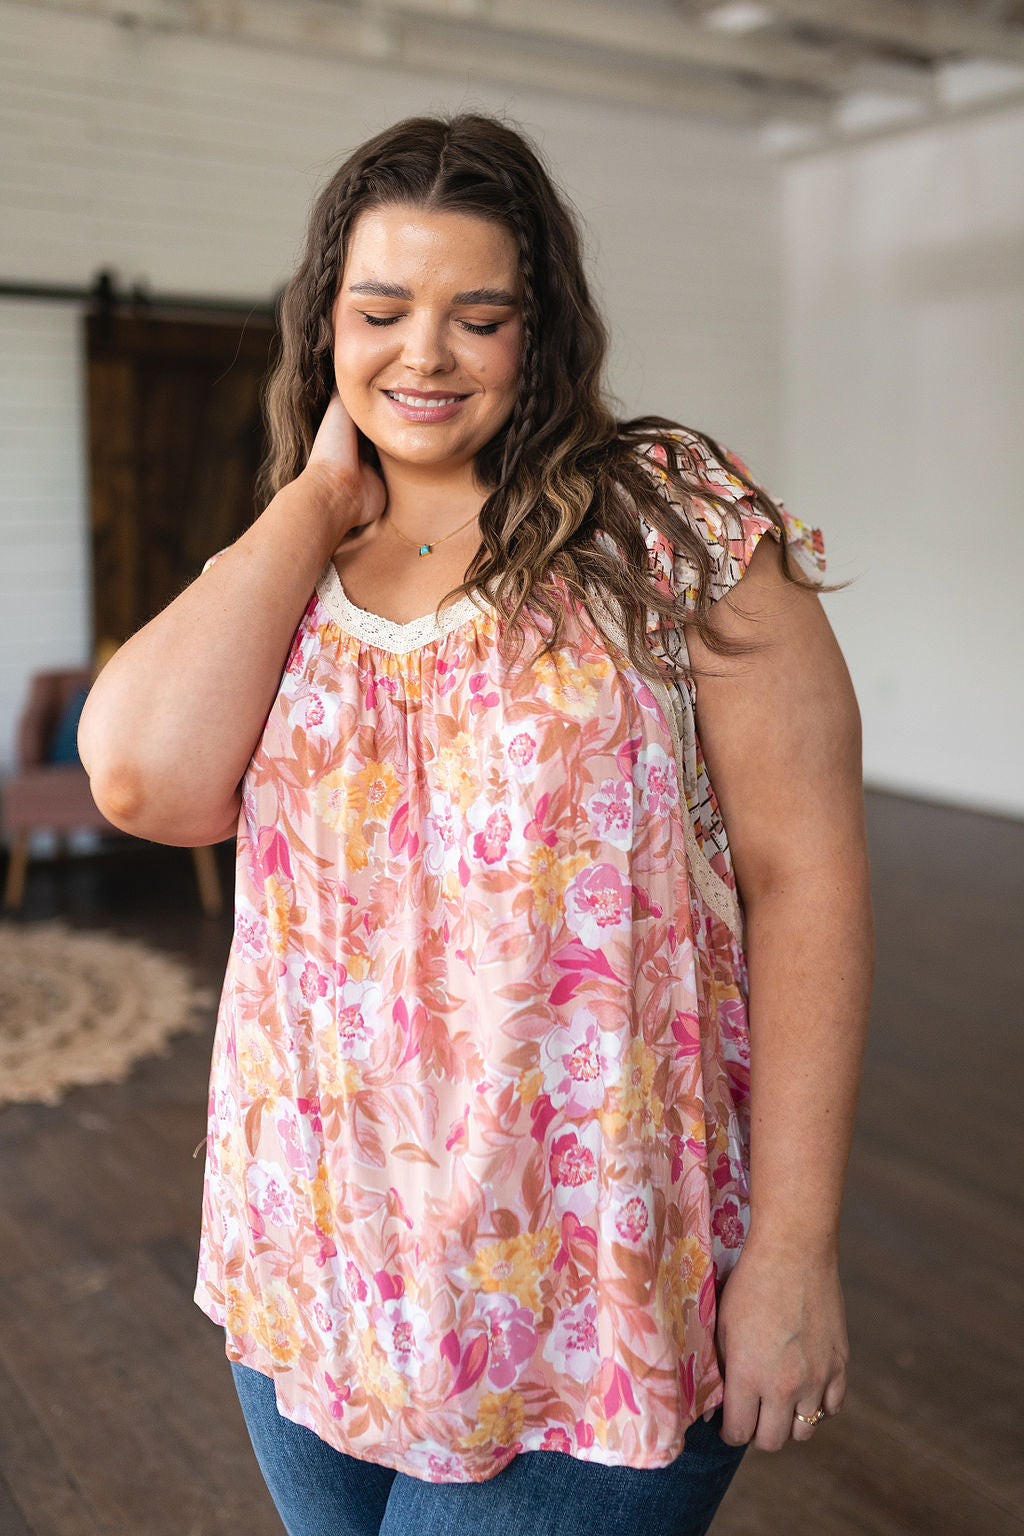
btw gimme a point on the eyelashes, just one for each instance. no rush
(477, 330)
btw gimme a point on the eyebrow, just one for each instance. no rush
(500, 297)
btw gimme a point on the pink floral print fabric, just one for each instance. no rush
(478, 1131)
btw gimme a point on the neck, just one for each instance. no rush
(428, 501)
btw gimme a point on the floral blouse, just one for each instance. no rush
(478, 1123)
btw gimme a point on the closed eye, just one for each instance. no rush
(477, 330)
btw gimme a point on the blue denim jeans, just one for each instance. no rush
(320, 1491)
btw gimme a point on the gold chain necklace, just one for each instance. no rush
(428, 549)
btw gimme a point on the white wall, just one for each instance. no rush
(904, 420)
(44, 553)
(190, 164)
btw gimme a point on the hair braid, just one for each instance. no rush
(524, 415)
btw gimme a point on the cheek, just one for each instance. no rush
(501, 367)
(357, 348)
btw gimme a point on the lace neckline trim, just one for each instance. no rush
(385, 634)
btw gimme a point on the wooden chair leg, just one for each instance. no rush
(14, 886)
(208, 881)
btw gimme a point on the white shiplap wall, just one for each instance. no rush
(190, 164)
(44, 581)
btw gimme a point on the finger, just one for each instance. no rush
(739, 1411)
(834, 1395)
(774, 1423)
(809, 1408)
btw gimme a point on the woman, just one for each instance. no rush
(511, 1215)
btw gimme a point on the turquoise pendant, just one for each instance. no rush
(424, 549)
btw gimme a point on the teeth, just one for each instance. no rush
(419, 402)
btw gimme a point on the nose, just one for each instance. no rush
(426, 348)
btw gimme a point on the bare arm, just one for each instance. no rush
(172, 720)
(780, 731)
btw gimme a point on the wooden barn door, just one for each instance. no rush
(175, 440)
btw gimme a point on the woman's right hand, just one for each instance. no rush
(334, 462)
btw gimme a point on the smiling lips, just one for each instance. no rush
(429, 406)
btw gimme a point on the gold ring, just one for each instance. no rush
(812, 1418)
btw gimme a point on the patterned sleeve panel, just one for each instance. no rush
(730, 535)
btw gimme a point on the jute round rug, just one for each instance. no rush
(83, 1007)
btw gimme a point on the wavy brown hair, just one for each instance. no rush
(562, 467)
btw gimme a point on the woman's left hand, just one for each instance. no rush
(782, 1345)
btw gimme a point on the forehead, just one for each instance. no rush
(426, 245)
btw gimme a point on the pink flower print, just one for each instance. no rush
(311, 1109)
(491, 844)
(357, 1018)
(250, 937)
(324, 1320)
(611, 812)
(598, 903)
(355, 1286)
(270, 1195)
(403, 1333)
(632, 1220)
(440, 845)
(458, 1132)
(313, 983)
(340, 1392)
(445, 1469)
(686, 1033)
(511, 1335)
(728, 1225)
(655, 776)
(273, 854)
(573, 1165)
(297, 660)
(732, 1019)
(572, 1065)
(328, 1248)
(521, 749)
(572, 1344)
(484, 697)
(556, 1439)
(298, 1157)
(314, 711)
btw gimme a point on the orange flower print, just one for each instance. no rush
(458, 769)
(380, 1380)
(276, 1326)
(570, 687)
(337, 799)
(506, 1266)
(278, 913)
(500, 1418)
(549, 876)
(379, 787)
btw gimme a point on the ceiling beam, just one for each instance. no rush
(404, 34)
(937, 30)
(660, 37)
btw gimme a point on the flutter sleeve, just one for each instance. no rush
(730, 534)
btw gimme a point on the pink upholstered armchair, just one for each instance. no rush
(43, 795)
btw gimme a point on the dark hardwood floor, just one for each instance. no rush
(117, 1413)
